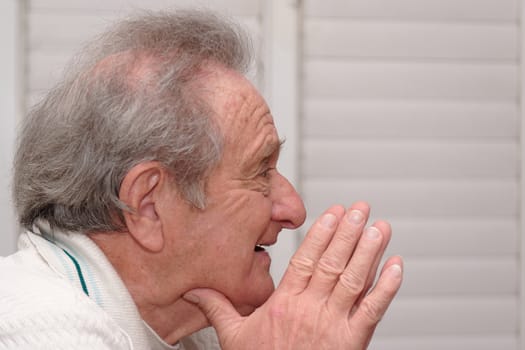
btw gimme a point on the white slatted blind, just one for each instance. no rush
(57, 29)
(413, 105)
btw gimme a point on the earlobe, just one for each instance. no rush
(141, 190)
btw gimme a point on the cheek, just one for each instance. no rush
(248, 209)
(237, 223)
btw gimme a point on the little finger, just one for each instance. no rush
(372, 308)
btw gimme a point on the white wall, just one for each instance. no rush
(9, 112)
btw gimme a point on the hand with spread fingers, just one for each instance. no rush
(327, 298)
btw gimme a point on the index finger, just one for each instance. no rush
(304, 261)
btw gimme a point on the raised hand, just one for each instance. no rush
(325, 300)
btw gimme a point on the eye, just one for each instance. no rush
(266, 172)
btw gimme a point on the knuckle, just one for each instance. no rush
(352, 282)
(302, 265)
(318, 241)
(349, 238)
(371, 310)
(330, 266)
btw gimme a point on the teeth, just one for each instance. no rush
(259, 248)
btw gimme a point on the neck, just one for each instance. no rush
(175, 321)
(158, 297)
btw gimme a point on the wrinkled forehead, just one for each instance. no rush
(236, 104)
(243, 117)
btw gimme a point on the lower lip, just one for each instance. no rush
(264, 256)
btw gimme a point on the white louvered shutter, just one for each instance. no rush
(56, 30)
(413, 106)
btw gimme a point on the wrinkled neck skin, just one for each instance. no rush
(158, 299)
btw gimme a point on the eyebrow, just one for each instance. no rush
(281, 144)
(275, 150)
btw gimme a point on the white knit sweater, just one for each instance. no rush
(60, 292)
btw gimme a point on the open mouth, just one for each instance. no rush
(259, 248)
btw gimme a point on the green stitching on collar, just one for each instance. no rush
(79, 272)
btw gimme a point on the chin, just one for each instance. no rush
(256, 300)
(245, 310)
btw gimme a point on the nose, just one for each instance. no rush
(287, 206)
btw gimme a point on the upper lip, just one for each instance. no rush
(268, 242)
(269, 239)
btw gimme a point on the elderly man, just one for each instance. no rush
(146, 182)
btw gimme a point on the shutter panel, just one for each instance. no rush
(57, 29)
(413, 105)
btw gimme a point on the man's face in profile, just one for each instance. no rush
(248, 201)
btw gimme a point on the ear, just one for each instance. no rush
(141, 190)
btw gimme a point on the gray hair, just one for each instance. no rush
(126, 99)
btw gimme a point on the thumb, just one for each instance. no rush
(217, 308)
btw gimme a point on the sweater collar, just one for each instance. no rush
(75, 256)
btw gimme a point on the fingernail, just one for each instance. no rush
(372, 233)
(355, 216)
(328, 220)
(395, 271)
(192, 298)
